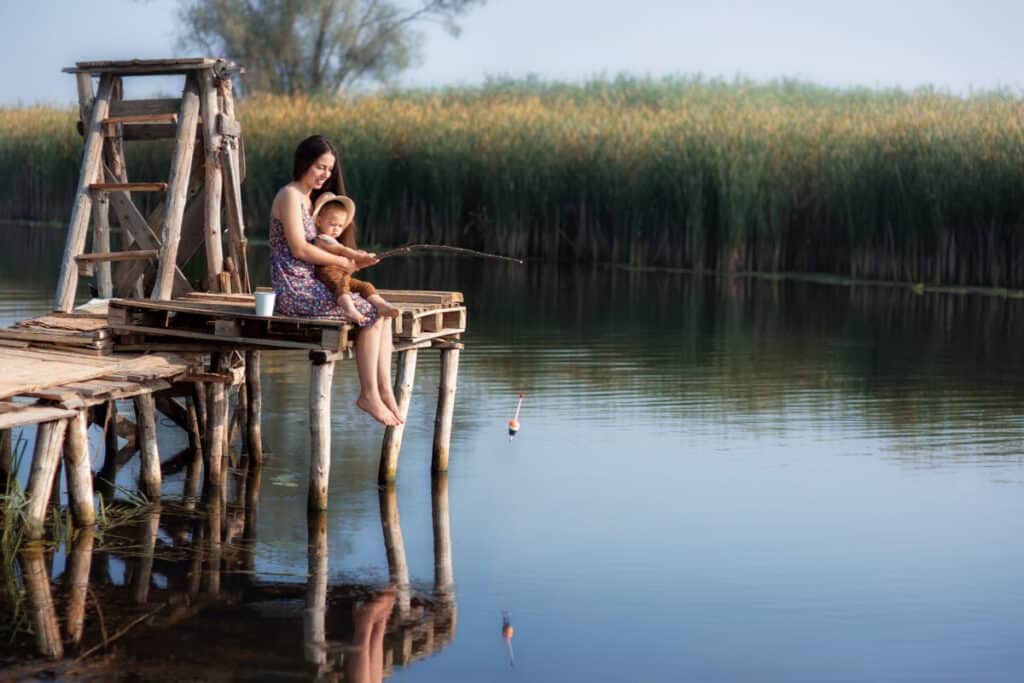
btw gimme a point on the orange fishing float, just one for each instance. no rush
(513, 424)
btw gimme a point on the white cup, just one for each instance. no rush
(265, 301)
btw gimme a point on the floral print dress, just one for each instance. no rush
(299, 293)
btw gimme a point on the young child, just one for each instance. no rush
(332, 214)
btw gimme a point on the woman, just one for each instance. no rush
(293, 258)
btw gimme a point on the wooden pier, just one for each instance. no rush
(190, 350)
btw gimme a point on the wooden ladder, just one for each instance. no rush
(155, 248)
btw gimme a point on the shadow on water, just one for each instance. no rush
(172, 591)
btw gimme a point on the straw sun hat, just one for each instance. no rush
(328, 198)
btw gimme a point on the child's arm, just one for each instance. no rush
(362, 258)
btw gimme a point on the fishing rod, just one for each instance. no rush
(409, 248)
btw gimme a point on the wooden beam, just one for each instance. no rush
(132, 221)
(254, 406)
(149, 472)
(131, 255)
(91, 171)
(129, 187)
(177, 191)
(128, 108)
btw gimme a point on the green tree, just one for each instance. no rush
(315, 46)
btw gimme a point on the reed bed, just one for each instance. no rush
(707, 175)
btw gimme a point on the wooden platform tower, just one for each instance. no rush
(204, 180)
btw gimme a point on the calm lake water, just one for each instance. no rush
(715, 480)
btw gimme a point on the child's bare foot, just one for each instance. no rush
(384, 309)
(377, 410)
(350, 310)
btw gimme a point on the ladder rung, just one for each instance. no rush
(142, 118)
(132, 255)
(119, 108)
(129, 187)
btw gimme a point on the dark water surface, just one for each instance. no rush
(715, 480)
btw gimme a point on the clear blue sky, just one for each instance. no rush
(952, 44)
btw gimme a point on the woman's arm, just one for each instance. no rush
(288, 209)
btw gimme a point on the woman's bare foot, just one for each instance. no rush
(377, 410)
(389, 400)
(384, 309)
(350, 310)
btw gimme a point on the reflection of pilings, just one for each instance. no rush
(79, 471)
(254, 477)
(215, 513)
(148, 531)
(398, 570)
(442, 533)
(314, 618)
(77, 575)
(49, 438)
(43, 614)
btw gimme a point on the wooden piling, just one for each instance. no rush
(443, 575)
(78, 565)
(49, 438)
(445, 409)
(216, 422)
(394, 547)
(150, 477)
(254, 406)
(79, 471)
(392, 444)
(91, 172)
(321, 375)
(108, 473)
(6, 458)
(36, 579)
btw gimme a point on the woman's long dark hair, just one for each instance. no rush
(308, 151)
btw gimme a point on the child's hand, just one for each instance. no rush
(365, 259)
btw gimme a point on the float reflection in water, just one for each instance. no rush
(170, 592)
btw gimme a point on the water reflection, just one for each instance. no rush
(171, 591)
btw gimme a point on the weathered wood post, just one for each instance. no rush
(150, 477)
(213, 183)
(36, 578)
(392, 444)
(79, 471)
(216, 421)
(78, 566)
(254, 407)
(394, 546)
(78, 226)
(321, 375)
(445, 408)
(314, 617)
(108, 472)
(49, 438)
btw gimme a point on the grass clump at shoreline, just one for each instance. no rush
(689, 173)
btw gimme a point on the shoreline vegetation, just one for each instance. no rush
(731, 177)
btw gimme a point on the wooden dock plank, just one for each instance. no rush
(19, 414)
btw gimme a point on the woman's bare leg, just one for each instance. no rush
(387, 394)
(367, 353)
